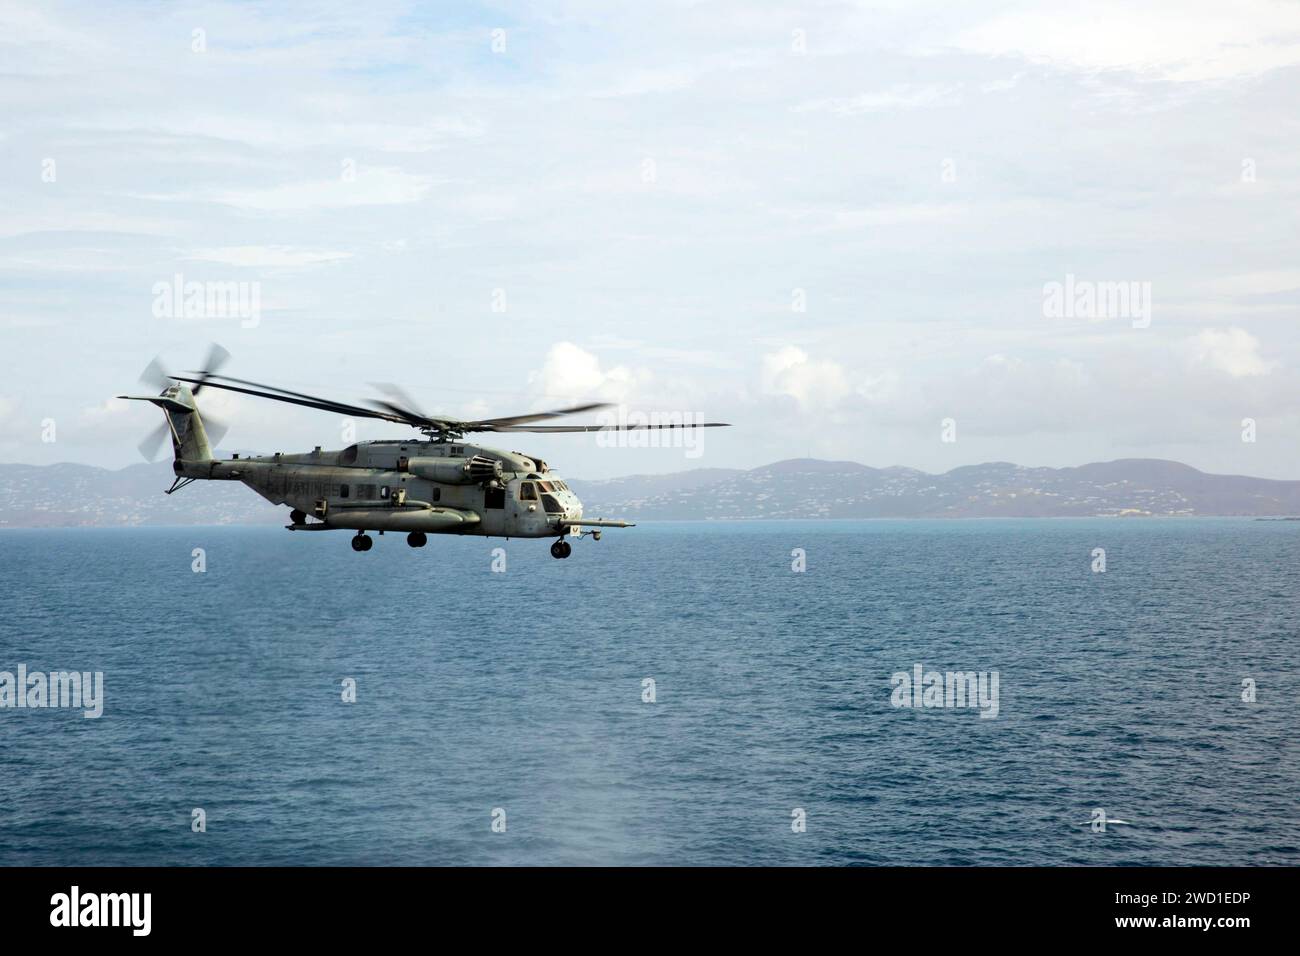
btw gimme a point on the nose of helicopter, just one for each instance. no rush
(571, 504)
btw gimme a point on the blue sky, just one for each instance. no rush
(829, 223)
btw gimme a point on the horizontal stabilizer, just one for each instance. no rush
(162, 401)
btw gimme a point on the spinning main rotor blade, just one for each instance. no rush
(409, 407)
(545, 429)
(297, 398)
(408, 412)
(411, 418)
(492, 424)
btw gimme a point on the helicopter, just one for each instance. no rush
(436, 483)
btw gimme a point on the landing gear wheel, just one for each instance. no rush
(362, 542)
(417, 539)
(297, 517)
(568, 549)
(561, 549)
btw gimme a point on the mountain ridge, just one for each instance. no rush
(814, 488)
(75, 495)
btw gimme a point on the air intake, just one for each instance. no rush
(483, 469)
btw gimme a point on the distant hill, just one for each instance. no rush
(82, 495)
(810, 488)
(53, 496)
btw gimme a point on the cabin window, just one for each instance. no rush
(343, 491)
(455, 451)
(527, 491)
(437, 494)
(348, 455)
(383, 492)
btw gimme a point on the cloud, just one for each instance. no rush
(1188, 40)
(1233, 351)
(267, 256)
(108, 408)
(571, 372)
(895, 98)
(826, 171)
(309, 127)
(372, 186)
(812, 383)
(1255, 283)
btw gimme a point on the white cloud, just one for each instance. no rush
(1255, 283)
(1234, 351)
(300, 131)
(571, 372)
(1186, 40)
(822, 171)
(109, 408)
(372, 186)
(267, 256)
(812, 383)
(894, 98)
(833, 217)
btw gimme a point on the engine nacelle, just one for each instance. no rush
(455, 471)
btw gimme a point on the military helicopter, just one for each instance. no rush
(435, 484)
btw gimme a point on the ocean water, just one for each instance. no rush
(523, 691)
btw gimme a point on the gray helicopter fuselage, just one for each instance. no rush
(436, 487)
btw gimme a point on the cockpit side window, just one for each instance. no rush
(551, 505)
(527, 491)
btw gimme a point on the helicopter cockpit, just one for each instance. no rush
(554, 495)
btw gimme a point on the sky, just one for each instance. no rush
(901, 233)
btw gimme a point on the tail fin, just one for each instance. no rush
(189, 437)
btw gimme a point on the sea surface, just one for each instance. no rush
(519, 696)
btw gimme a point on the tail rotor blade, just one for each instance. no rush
(216, 430)
(152, 443)
(217, 357)
(155, 376)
